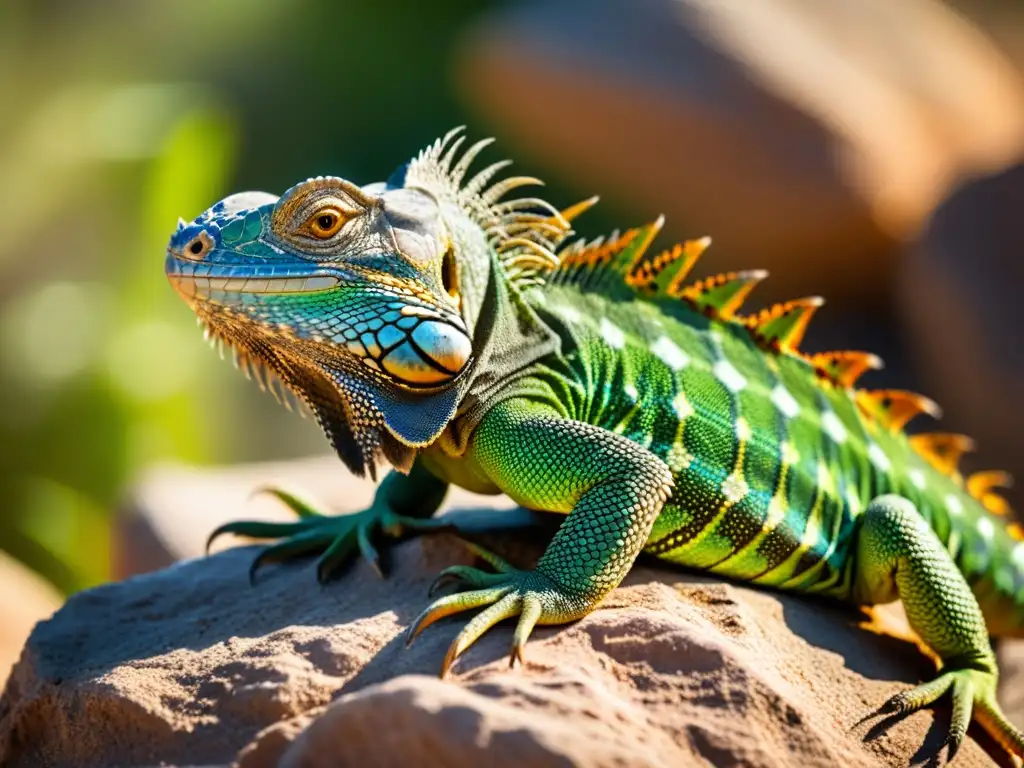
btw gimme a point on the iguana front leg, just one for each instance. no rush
(401, 503)
(898, 555)
(612, 488)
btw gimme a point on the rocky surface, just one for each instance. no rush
(806, 138)
(191, 665)
(960, 287)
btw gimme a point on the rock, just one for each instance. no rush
(959, 289)
(25, 598)
(806, 138)
(191, 665)
(1011, 686)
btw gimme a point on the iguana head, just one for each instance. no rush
(362, 301)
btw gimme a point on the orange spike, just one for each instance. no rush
(1016, 531)
(722, 295)
(655, 273)
(980, 486)
(942, 450)
(783, 326)
(634, 252)
(845, 367)
(582, 206)
(895, 407)
(678, 262)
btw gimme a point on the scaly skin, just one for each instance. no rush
(427, 324)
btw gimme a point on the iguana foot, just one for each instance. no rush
(531, 595)
(973, 691)
(337, 537)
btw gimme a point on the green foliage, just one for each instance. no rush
(118, 118)
(110, 371)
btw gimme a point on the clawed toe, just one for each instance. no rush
(973, 696)
(301, 543)
(337, 554)
(452, 604)
(505, 608)
(530, 595)
(336, 537)
(906, 702)
(465, 576)
(991, 717)
(255, 529)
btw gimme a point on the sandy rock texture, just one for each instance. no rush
(191, 665)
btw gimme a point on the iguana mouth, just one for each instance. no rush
(207, 287)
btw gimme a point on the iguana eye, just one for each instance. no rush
(325, 223)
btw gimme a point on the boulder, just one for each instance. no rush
(808, 138)
(192, 665)
(958, 295)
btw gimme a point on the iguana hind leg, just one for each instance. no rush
(898, 555)
(402, 504)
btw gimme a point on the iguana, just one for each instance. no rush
(437, 324)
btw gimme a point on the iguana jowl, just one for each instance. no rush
(434, 324)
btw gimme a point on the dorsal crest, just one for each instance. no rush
(622, 265)
(722, 295)
(529, 235)
(782, 326)
(893, 408)
(943, 450)
(524, 231)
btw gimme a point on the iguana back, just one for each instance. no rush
(774, 453)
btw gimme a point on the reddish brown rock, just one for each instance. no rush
(191, 665)
(806, 138)
(960, 294)
(1011, 686)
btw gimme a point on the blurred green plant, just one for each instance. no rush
(118, 118)
(108, 371)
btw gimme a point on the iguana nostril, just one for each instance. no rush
(200, 245)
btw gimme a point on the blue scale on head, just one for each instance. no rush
(232, 231)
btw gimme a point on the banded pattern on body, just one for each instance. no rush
(772, 470)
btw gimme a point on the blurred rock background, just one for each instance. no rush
(865, 150)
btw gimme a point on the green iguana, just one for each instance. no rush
(431, 323)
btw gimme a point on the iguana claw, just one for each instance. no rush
(973, 692)
(532, 596)
(337, 537)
